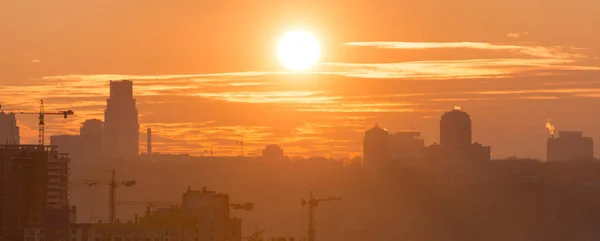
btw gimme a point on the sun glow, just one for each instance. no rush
(298, 50)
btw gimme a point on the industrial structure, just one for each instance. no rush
(312, 203)
(568, 146)
(149, 141)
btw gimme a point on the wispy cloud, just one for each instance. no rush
(539, 91)
(560, 52)
(519, 60)
(474, 68)
(270, 97)
(516, 35)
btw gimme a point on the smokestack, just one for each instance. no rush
(149, 142)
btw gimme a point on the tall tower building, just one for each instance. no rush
(569, 145)
(376, 147)
(121, 127)
(456, 140)
(455, 128)
(9, 130)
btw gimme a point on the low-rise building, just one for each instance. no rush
(202, 216)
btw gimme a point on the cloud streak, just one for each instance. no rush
(559, 52)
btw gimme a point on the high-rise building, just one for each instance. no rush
(34, 189)
(569, 145)
(9, 130)
(121, 125)
(376, 147)
(456, 140)
(455, 128)
(91, 135)
(406, 146)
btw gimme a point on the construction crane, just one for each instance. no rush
(241, 142)
(41, 113)
(112, 192)
(312, 204)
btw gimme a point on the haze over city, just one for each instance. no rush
(148, 120)
(207, 72)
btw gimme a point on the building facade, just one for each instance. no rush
(91, 134)
(9, 130)
(121, 127)
(34, 189)
(568, 146)
(456, 140)
(376, 151)
(455, 128)
(406, 146)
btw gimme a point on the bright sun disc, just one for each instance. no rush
(298, 50)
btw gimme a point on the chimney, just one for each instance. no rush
(149, 141)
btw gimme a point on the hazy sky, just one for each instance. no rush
(206, 71)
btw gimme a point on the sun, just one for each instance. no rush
(298, 50)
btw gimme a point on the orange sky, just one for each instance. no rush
(205, 72)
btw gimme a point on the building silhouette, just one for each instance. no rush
(568, 146)
(88, 144)
(121, 127)
(273, 152)
(456, 140)
(34, 187)
(9, 130)
(376, 151)
(202, 215)
(91, 134)
(455, 128)
(71, 144)
(406, 145)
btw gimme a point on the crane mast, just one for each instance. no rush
(41, 113)
(312, 204)
(112, 193)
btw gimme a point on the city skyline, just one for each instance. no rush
(511, 75)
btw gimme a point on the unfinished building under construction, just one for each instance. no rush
(34, 189)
